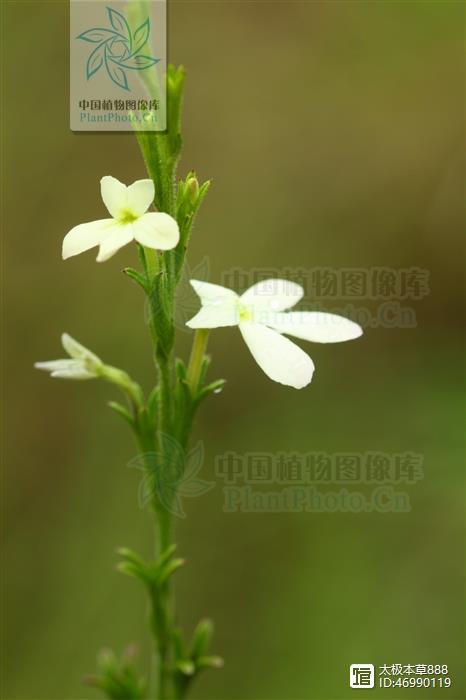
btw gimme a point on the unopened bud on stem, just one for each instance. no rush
(192, 188)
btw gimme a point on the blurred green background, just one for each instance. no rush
(334, 134)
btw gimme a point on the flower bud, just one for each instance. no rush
(192, 188)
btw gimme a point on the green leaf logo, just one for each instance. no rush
(170, 475)
(118, 50)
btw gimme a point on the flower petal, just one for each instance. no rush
(157, 230)
(215, 317)
(85, 236)
(120, 236)
(114, 194)
(278, 357)
(140, 196)
(213, 294)
(66, 369)
(55, 365)
(219, 306)
(317, 326)
(73, 373)
(78, 351)
(273, 294)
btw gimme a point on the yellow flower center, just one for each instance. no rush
(127, 217)
(245, 314)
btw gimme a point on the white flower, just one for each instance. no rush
(262, 319)
(128, 206)
(83, 365)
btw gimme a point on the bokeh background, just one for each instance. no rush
(334, 135)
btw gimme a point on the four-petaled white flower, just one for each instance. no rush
(262, 319)
(82, 365)
(131, 221)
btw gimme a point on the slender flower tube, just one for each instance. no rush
(130, 222)
(262, 316)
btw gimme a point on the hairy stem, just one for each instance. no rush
(161, 615)
(172, 422)
(152, 262)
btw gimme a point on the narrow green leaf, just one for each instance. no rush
(106, 661)
(186, 667)
(166, 556)
(201, 638)
(122, 411)
(141, 280)
(153, 403)
(131, 556)
(212, 388)
(203, 189)
(169, 569)
(180, 369)
(142, 256)
(145, 421)
(210, 662)
(178, 644)
(204, 369)
(135, 571)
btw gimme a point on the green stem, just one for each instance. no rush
(161, 613)
(166, 396)
(124, 382)
(152, 262)
(161, 610)
(193, 375)
(161, 152)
